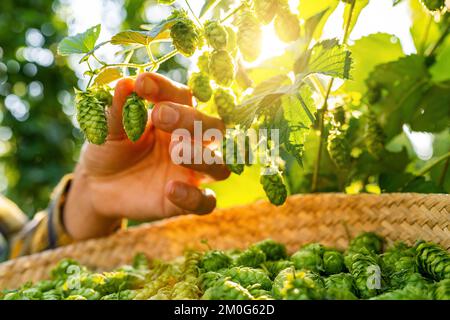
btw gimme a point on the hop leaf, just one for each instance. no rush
(339, 148)
(91, 116)
(135, 117)
(221, 67)
(249, 36)
(225, 102)
(216, 35)
(287, 25)
(374, 136)
(434, 5)
(185, 35)
(274, 188)
(201, 87)
(265, 10)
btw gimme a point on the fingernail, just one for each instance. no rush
(167, 115)
(179, 193)
(149, 87)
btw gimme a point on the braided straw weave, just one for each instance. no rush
(327, 218)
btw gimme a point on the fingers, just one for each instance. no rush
(189, 198)
(199, 159)
(169, 116)
(115, 128)
(155, 88)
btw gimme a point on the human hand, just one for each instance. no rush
(121, 179)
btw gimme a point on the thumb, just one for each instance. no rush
(115, 128)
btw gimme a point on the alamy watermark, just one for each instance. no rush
(249, 147)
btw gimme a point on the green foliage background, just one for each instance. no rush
(39, 143)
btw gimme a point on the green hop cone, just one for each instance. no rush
(273, 268)
(273, 250)
(236, 152)
(303, 285)
(374, 136)
(185, 290)
(216, 35)
(367, 241)
(252, 257)
(91, 116)
(287, 25)
(200, 86)
(225, 102)
(339, 115)
(309, 257)
(103, 95)
(339, 148)
(265, 10)
(249, 36)
(433, 260)
(203, 62)
(215, 260)
(221, 67)
(185, 34)
(434, 5)
(333, 261)
(135, 117)
(341, 281)
(274, 188)
(280, 281)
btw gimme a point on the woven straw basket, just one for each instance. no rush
(327, 218)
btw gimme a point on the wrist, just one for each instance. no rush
(80, 217)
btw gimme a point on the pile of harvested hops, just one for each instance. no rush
(261, 272)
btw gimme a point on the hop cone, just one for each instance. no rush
(201, 87)
(249, 36)
(339, 116)
(225, 102)
(215, 260)
(252, 257)
(287, 25)
(274, 188)
(303, 286)
(339, 148)
(216, 35)
(433, 260)
(265, 10)
(407, 293)
(233, 154)
(374, 136)
(333, 261)
(221, 67)
(135, 117)
(227, 290)
(246, 277)
(434, 5)
(338, 294)
(367, 240)
(103, 95)
(92, 117)
(185, 35)
(309, 257)
(185, 290)
(362, 266)
(209, 279)
(272, 249)
(203, 62)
